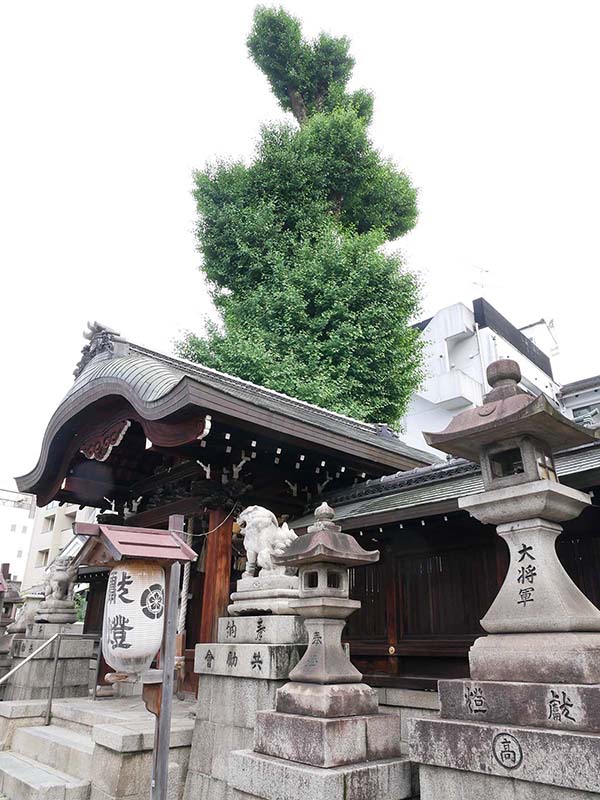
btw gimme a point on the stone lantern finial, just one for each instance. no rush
(504, 372)
(324, 512)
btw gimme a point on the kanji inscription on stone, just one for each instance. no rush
(257, 662)
(475, 700)
(507, 751)
(559, 707)
(260, 629)
(232, 659)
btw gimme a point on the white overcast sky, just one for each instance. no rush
(491, 106)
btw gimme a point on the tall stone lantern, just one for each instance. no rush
(526, 724)
(513, 435)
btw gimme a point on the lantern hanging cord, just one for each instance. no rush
(185, 585)
(216, 528)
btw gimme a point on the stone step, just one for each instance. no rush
(56, 747)
(21, 778)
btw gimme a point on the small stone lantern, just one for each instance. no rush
(325, 717)
(324, 680)
(323, 558)
(513, 436)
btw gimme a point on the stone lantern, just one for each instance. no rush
(325, 717)
(513, 435)
(323, 558)
(526, 723)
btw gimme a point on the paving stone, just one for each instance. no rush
(324, 742)
(204, 787)
(383, 737)
(406, 714)
(537, 658)
(235, 701)
(227, 739)
(203, 747)
(410, 698)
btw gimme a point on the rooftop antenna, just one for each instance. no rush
(482, 283)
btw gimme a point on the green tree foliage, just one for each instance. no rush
(292, 244)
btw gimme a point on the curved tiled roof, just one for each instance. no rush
(157, 385)
(433, 484)
(149, 379)
(277, 401)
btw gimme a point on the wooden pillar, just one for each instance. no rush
(217, 573)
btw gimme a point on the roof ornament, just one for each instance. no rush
(102, 339)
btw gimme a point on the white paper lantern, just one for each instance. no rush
(134, 616)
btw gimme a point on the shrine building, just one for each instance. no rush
(142, 436)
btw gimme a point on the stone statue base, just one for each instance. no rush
(324, 743)
(34, 679)
(274, 594)
(510, 740)
(240, 675)
(56, 612)
(537, 657)
(27, 614)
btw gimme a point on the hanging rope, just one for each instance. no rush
(185, 585)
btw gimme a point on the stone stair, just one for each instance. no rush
(22, 778)
(30, 769)
(100, 750)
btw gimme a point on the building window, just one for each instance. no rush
(48, 523)
(582, 411)
(13, 528)
(19, 554)
(24, 529)
(42, 558)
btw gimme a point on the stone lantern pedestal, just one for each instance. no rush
(526, 725)
(326, 738)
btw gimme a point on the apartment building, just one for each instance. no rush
(52, 531)
(17, 513)
(460, 344)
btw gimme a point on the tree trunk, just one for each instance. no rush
(298, 107)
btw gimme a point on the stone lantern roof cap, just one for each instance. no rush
(325, 542)
(508, 411)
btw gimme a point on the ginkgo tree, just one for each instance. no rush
(310, 303)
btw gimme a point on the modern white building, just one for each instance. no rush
(581, 401)
(460, 344)
(52, 531)
(17, 512)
